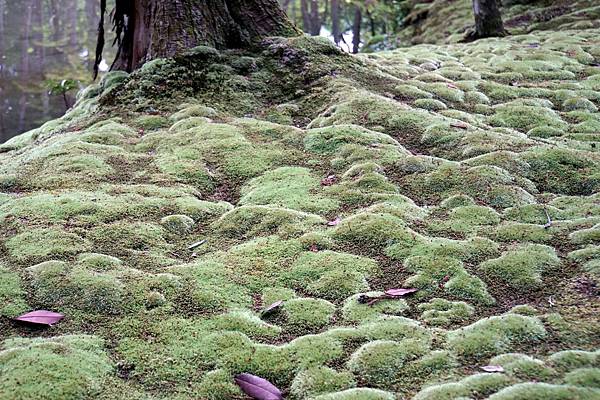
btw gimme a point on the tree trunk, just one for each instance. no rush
(26, 41)
(315, 18)
(335, 21)
(73, 13)
(38, 37)
(306, 21)
(356, 27)
(149, 29)
(488, 20)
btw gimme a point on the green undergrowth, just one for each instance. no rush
(171, 206)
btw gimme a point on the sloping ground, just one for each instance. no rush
(447, 21)
(470, 172)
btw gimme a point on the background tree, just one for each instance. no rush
(488, 20)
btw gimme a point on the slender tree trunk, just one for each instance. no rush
(315, 18)
(73, 12)
(158, 28)
(2, 68)
(306, 20)
(356, 27)
(38, 37)
(488, 20)
(26, 40)
(335, 21)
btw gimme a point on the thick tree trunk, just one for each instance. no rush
(335, 21)
(356, 27)
(151, 29)
(488, 20)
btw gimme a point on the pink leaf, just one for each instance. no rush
(492, 368)
(460, 125)
(334, 222)
(330, 180)
(40, 317)
(258, 388)
(400, 292)
(452, 85)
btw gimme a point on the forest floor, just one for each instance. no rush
(469, 172)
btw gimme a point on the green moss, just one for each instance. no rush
(531, 391)
(466, 219)
(572, 359)
(358, 394)
(441, 312)
(12, 295)
(194, 111)
(74, 367)
(290, 187)
(218, 385)
(495, 335)
(586, 377)
(306, 314)
(409, 92)
(42, 244)
(355, 311)
(251, 221)
(518, 232)
(447, 273)
(430, 104)
(526, 118)
(177, 224)
(522, 268)
(376, 231)
(150, 122)
(579, 103)
(330, 275)
(380, 362)
(320, 380)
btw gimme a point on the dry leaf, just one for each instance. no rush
(492, 368)
(40, 317)
(257, 387)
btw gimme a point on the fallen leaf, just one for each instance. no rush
(197, 244)
(452, 85)
(314, 248)
(330, 180)
(492, 368)
(460, 125)
(400, 292)
(257, 387)
(40, 317)
(334, 222)
(272, 308)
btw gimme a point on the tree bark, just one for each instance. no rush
(488, 20)
(149, 29)
(356, 27)
(315, 18)
(335, 21)
(306, 20)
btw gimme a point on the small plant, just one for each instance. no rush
(62, 87)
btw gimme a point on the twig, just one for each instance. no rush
(197, 244)
(549, 223)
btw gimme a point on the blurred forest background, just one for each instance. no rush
(47, 47)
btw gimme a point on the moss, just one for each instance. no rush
(410, 92)
(447, 273)
(430, 104)
(441, 312)
(529, 391)
(42, 244)
(320, 380)
(12, 295)
(572, 359)
(586, 236)
(526, 118)
(545, 132)
(586, 377)
(330, 275)
(151, 122)
(289, 187)
(306, 314)
(518, 232)
(495, 335)
(466, 219)
(177, 224)
(194, 111)
(245, 322)
(74, 367)
(358, 394)
(375, 230)
(217, 385)
(579, 103)
(355, 311)
(522, 268)
(251, 221)
(378, 363)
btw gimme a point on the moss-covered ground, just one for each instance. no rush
(301, 174)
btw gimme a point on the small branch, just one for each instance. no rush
(549, 223)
